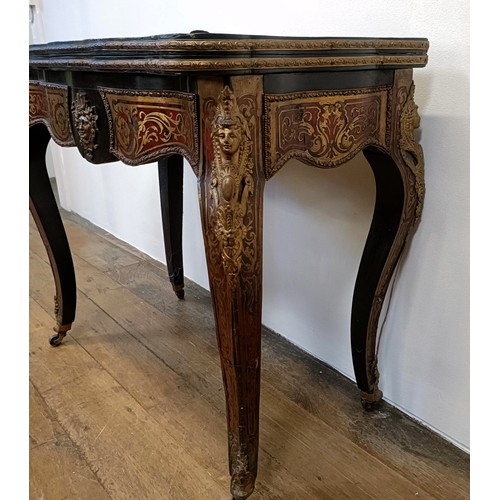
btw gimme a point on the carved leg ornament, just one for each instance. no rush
(231, 195)
(400, 191)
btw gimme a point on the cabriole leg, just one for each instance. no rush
(381, 252)
(231, 194)
(399, 181)
(45, 212)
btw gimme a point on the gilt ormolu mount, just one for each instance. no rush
(237, 108)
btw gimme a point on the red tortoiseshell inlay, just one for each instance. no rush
(48, 104)
(146, 125)
(324, 129)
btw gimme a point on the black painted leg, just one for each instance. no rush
(386, 238)
(45, 212)
(170, 172)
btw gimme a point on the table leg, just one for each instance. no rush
(43, 207)
(170, 176)
(231, 195)
(380, 255)
(400, 191)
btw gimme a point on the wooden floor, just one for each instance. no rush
(131, 406)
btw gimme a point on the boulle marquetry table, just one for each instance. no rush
(237, 108)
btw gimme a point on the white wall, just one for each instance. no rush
(316, 221)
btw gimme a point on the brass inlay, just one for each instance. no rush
(48, 104)
(37, 104)
(231, 64)
(251, 44)
(242, 479)
(411, 151)
(324, 129)
(231, 184)
(57, 100)
(85, 122)
(144, 125)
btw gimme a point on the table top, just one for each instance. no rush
(203, 52)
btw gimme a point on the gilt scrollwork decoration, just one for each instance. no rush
(48, 104)
(59, 117)
(85, 121)
(37, 104)
(324, 129)
(411, 151)
(232, 183)
(146, 125)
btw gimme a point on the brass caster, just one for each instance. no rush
(61, 331)
(57, 339)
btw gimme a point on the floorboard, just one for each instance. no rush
(131, 405)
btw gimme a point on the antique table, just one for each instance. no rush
(237, 108)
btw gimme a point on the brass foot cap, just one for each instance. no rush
(178, 290)
(370, 401)
(242, 485)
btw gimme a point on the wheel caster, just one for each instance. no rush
(57, 339)
(61, 331)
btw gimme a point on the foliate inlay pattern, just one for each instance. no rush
(232, 182)
(146, 125)
(323, 129)
(190, 45)
(85, 122)
(38, 104)
(247, 62)
(48, 104)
